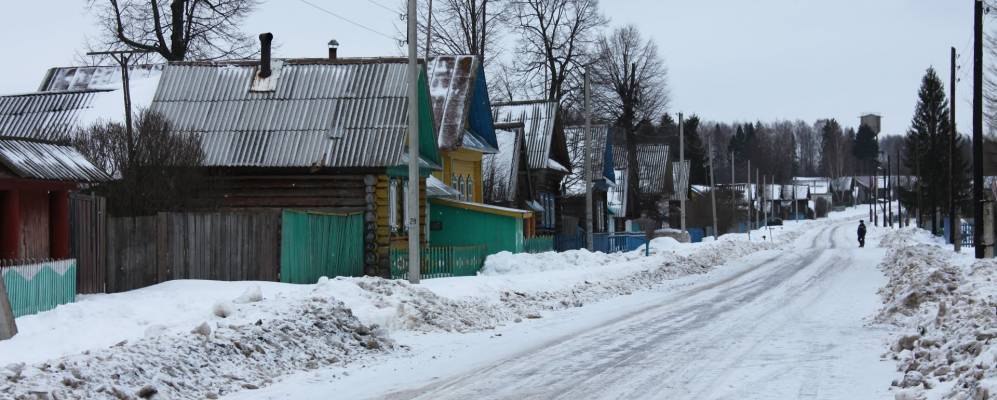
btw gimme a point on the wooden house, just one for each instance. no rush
(655, 193)
(38, 170)
(327, 135)
(546, 151)
(603, 178)
(465, 135)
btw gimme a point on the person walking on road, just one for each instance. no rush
(861, 233)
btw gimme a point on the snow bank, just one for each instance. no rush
(943, 306)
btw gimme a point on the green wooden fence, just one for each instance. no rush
(539, 244)
(316, 244)
(441, 261)
(33, 288)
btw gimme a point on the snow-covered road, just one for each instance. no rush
(786, 324)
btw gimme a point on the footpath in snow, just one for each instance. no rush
(198, 339)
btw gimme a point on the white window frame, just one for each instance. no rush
(393, 205)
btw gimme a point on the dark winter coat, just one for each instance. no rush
(861, 230)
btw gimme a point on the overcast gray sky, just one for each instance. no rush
(729, 60)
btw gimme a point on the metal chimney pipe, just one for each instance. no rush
(266, 41)
(333, 47)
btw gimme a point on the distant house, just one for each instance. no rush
(655, 191)
(327, 135)
(38, 170)
(466, 134)
(603, 178)
(547, 158)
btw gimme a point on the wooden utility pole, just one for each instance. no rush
(761, 198)
(713, 187)
(733, 194)
(955, 226)
(889, 185)
(588, 162)
(751, 199)
(978, 129)
(414, 267)
(682, 165)
(429, 29)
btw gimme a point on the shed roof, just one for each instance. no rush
(47, 161)
(456, 83)
(539, 118)
(43, 116)
(310, 112)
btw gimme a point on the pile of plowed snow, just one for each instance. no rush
(216, 357)
(945, 310)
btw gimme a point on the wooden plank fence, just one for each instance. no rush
(88, 232)
(229, 246)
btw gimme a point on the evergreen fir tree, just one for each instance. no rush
(927, 144)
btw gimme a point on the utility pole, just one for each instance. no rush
(733, 194)
(682, 165)
(761, 198)
(751, 199)
(917, 173)
(765, 198)
(414, 267)
(978, 130)
(713, 188)
(900, 210)
(429, 29)
(955, 226)
(889, 185)
(588, 162)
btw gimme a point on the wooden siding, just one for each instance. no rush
(88, 241)
(34, 225)
(325, 192)
(462, 162)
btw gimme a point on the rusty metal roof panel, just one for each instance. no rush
(539, 119)
(325, 114)
(38, 160)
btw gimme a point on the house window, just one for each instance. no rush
(460, 187)
(393, 199)
(600, 217)
(469, 196)
(548, 218)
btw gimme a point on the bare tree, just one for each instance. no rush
(555, 36)
(180, 30)
(630, 79)
(461, 26)
(809, 143)
(159, 175)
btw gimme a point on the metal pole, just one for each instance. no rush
(682, 164)
(713, 188)
(954, 224)
(414, 269)
(588, 162)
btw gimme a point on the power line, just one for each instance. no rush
(382, 6)
(347, 20)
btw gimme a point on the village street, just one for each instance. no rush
(789, 323)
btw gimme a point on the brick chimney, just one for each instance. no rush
(266, 41)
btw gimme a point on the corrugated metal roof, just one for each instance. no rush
(539, 119)
(450, 84)
(574, 183)
(680, 179)
(43, 116)
(324, 113)
(95, 77)
(652, 162)
(38, 160)
(501, 170)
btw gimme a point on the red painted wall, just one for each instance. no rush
(10, 224)
(34, 224)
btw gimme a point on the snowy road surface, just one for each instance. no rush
(784, 324)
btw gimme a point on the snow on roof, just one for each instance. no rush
(451, 81)
(500, 169)
(539, 118)
(48, 161)
(96, 77)
(818, 185)
(435, 188)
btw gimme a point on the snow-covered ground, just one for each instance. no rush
(749, 321)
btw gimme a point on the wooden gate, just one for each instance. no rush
(88, 241)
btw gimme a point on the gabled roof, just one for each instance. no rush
(47, 161)
(460, 101)
(602, 160)
(500, 170)
(652, 161)
(310, 112)
(539, 118)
